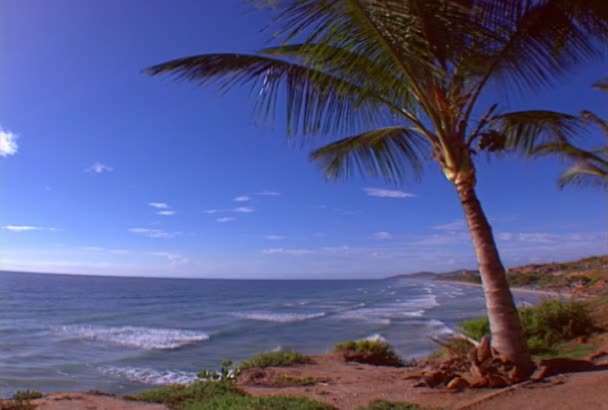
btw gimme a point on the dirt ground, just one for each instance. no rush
(350, 385)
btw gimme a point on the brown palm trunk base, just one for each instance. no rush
(506, 331)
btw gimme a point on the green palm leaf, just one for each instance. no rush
(391, 152)
(526, 130)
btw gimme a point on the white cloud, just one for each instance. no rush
(242, 198)
(213, 211)
(244, 209)
(26, 228)
(8, 143)
(225, 219)
(283, 251)
(166, 213)
(153, 233)
(382, 235)
(267, 193)
(99, 168)
(173, 258)
(457, 225)
(387, 193)
(158, 205)
(274, 237)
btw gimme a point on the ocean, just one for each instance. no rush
(121, 335)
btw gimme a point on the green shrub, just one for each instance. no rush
(231, 402)
(390, 405)
(23, 395)
(476, 328)
(176, 395)
(376, 352)
(545, 325)
(274, 359)
(554, 321)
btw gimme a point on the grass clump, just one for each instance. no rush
(274, 359)
(208, 395)
(297, 381)
(177, 395)
(24, 395)
(375, 352)
(391, 405)
(546, 325)
(259, 403)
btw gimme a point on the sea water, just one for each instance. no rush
(121, 335)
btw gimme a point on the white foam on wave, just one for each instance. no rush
(150, 376)
(279, 317)
(136, 337)
(438, 328)
(380, 315)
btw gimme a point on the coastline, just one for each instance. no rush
(549, 293)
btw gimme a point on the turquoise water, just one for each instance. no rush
(60, 332)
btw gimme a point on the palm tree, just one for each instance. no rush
(405, 79)
(590, 168)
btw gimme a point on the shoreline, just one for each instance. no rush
(551, 293)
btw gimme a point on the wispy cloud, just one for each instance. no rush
(158, 205)
(226, 219)
(457, 225)
(99, 168)
(8, 143)
(166, 213)
(267, 193)
(153, 233)
(275, 237)
(387, 193)
(172, 257)
(213, 211)
(26, 228)
(242, 198)
(243, 210)
(283, 251)
(382, 235)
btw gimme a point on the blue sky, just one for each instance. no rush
(113, 172)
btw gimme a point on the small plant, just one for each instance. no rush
(176, 395)
(226, 373)
(297, 381)
(390, 405)
(274, 359)
(259, 403)
(376, 352)
(24, 395)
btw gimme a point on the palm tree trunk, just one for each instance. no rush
(507, 335)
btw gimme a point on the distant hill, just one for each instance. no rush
(586, 276)
(417, 275)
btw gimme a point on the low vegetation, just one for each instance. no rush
(275, 359)
(297, 381)
(391, 405)
(23, 395)
(375, 352)
(208, 395)
(547, 326)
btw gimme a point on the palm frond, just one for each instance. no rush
(583, 173)
(526, 130)
(316, 102)
(391, 152)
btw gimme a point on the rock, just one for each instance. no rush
(479, 383)
(540, 373)
(484, 350)
(477, 371)
(497, 381)
(433, 378)
(458, 383)
(421, 383)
